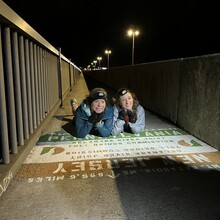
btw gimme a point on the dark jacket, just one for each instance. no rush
(84, 127)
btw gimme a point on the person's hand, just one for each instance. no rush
(99, 117)
(122, 114)
(132, 116)
(95, 117)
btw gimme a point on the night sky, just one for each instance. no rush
(84, 29)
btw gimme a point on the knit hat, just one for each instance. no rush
(121, 92)
(95, 96)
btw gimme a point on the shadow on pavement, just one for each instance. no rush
(176, 192)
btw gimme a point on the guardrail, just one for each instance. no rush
(34, 79)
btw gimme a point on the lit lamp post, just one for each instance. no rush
(99, 59)
(94, 61)
(108, 52)
(133, 33)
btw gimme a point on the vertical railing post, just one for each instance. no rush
(70, 77)
(3, 115)
(9, 86)
(60, 77)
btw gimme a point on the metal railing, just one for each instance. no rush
(34, 78)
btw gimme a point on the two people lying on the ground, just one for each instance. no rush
(129, 115)
(94, 115)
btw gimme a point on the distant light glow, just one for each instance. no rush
(133, 32)
(108, 51)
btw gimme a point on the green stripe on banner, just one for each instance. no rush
(59, 137)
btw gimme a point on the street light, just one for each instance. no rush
(94, 61)
(133, 33)
(99, 59)
(108, 52)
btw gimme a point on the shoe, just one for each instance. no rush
(73, 101)
(74, 105)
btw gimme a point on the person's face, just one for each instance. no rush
(126, 101)
(98, 105)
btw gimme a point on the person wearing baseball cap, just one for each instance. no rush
(94, 115)
(129, 115)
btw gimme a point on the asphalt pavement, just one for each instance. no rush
(162, 174)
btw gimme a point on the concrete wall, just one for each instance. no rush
(184, 91)
(199, 98)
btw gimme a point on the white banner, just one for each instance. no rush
(149, 143)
